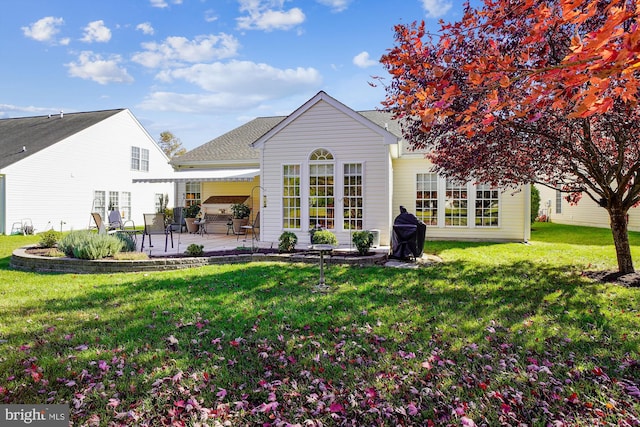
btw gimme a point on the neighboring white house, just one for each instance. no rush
(327, 164)
(55, 170)
(586, 212)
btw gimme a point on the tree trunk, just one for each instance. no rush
(621, 240)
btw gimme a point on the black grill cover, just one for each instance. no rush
(408, 236)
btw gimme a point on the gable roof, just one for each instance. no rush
(389, 138)
(24, 136)
(238, 145)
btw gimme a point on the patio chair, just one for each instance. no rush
(116, 222)
(155, 224)
(100, 225)
(251, 227)
(178, 220)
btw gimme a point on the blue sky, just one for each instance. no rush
(198, 68)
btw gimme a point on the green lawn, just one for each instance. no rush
(498, 333)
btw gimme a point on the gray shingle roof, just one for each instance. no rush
(39, 132)
(235, 145)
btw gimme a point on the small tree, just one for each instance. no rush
(171, 145)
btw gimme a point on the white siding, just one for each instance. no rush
(55, 187)
(323, 126)
(585, 213)
(512, 216)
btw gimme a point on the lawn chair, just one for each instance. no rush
(155, 224)
(100, 225)
(178, 220)
(116, 222)
(251, 227)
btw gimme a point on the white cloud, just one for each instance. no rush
(91, 66)
(146, 28)
(436, 8)
(268, 15)
(336, 5)
(162, 3)
(210, 16)
(178, 50)
(96, 31)
(197, 102)
(44, 30)
(247, 79)
(363, 60)
(10, 110)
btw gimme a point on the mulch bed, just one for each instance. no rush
(227, 252)
(612, 276)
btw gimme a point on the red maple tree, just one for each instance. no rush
(529, 91)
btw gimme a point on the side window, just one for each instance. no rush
(139, 159)
(353, 204)
(487, 206)
(291, 199)
(455, 205)
(427, 198)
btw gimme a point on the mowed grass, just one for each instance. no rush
(498, 333)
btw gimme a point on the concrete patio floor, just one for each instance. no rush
(219, 242)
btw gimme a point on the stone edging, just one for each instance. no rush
(21, 260)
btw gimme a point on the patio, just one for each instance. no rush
(220, 242)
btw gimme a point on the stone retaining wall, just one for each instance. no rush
(21, 260)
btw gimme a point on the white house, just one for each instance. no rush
(345, 170)
(55, 170)
(586, 212)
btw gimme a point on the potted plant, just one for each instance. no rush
(240, 213)
(190, 214)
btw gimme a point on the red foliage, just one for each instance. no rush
(527, 91)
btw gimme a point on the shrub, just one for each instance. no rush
(240, 210)
(363, 240)
(49, 238)
(287, 241)
(71, 240)
(128, 244)
(324, 237)
(88, 245)
(195, 250)
(535, 202)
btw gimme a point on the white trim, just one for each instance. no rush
(388, 137)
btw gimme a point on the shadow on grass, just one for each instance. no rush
(457, 301)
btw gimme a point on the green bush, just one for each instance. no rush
(71, 240)
(88, 245)
(195, 250)
(363, 240)
(49, 238)
(535, 202)
(287, 242)
(128, 244)
(324, 237)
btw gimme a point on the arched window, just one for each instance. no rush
(321, 155)
(321, 189)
